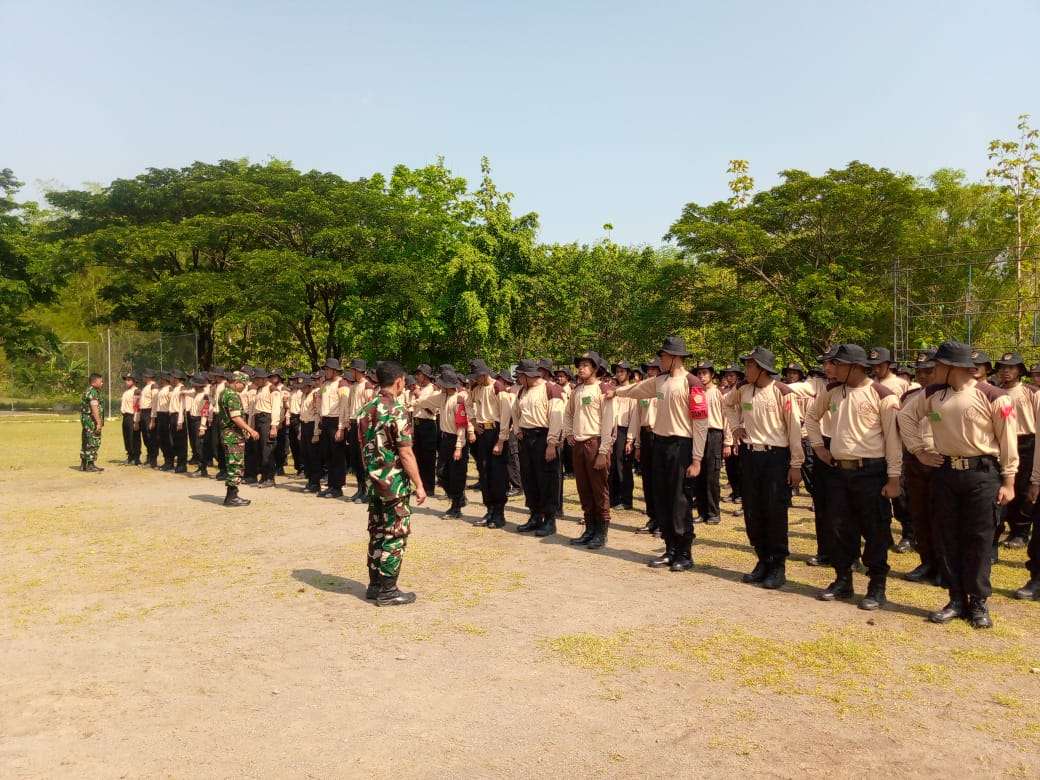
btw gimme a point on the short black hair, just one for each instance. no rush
(93, 377)
(388, 372)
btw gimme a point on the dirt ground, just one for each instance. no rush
(147, 631)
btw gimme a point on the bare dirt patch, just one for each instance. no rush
(145, 630)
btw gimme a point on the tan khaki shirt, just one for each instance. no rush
(673, 407)
(975, 420)
(540, 406)
(126, 401)
(768, 416)
(896, 384)
(865, 424)
(446, 406)
(419, 412)
(162, 399)
(147, 395)
(1025, 400)
(587, 414)
(484, 400)
(330, 398)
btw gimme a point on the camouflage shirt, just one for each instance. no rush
(86, 417)
(383, 427)
(230, 401)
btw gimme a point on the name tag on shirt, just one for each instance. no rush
(934, 416)
(644, 402)
(660, 396)
(747, 407)
(586, 400)
(834, 407)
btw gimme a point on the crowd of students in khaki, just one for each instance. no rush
(938, 446)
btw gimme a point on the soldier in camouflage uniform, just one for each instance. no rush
(384, 430)
(92, 422)
(234, 430)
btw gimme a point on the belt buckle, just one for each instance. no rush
(849, 465)
(959, 464)
(759, 448)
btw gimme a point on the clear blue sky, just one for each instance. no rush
(590, 111)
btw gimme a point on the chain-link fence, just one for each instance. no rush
(54, 381)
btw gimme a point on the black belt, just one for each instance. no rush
(763, 447)
(1026, 436)
(854, 464)
(967, 464)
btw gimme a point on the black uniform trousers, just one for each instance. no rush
(516, 479)
(858, 510)
(453, 474)
(281, 449)
(622, 482)
(333, 453)
(264, 458)
(131, 438)
(823, 516)
(706, 483)
(148, 438)
(646, 469)
(809, 468)
(494, 476)
(162, 437)
(354, 456)
(179, 442)
(736, 481)
(298, 452)
(917, 479)
(216, 443)
(194, 440)
(674, 492)
(425, 443)
(1018, 514)
(311, 453)
(963, 501)
(765, 494)
(541, 478)
(494, 481)
(1033, 561)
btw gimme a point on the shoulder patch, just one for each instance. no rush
(553, 390)
(933, 389)
(604, 386)
(1031, 388)
(990, 392)
(784, 389)
(692, 381)
(908, 393)
(881, 390)
(344, 383)
(832, 385)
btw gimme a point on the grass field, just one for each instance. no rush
(146, 630)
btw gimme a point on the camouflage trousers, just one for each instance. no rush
(90, 443)
(235, 456)
(389, 523)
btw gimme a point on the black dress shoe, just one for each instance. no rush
(334, 493)
(1016, 542)
(661, 561)
(954, 609)
(512, 492)
(818, 560)
(875, 598)
(616, 506)
(359, 498)
(220, 475)
(627, 507)
(1029, 592)
(903, 546)
(756, 575)
(920, 574)
(533, 522)
(394, 598)
(712, 520)
(979, 615)
(586, 537)
(371, 592)
(267, 483)
(474, 486)
(681, 564)
(309, 488)
(841, 588)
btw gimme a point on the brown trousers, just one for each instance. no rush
(593, 483)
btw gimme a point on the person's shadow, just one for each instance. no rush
(330, 583)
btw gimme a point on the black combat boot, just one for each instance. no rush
(920, 574)
(757, 575)
(533, 523)
(978, 614)
(93, 468)
(587, 534)
(389, 595)
(497, 518)
(233, 499)
(682, 560)
(220, 475)
(372, 591)
(1030, 591)
(776, 577)
(875, 598)
(455, 510)
(547, 528)
(841, 588)
(600, 537)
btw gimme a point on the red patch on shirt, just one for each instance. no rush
(1007, 410)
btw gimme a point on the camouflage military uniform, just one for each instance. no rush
(383, 427)
(233, 437)
(90, 441)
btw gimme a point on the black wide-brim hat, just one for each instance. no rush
(980, 357)
(621, 364)
(359, 364)
(704, 365)
(178, 374)
(763, 357)
(852, 354)
(528, 368)
(425, 370)
(795, 367)
(591, 356)
(879, 355)
(956, 354)
(1012, 359)
(449, 380)
(673, 345)
(333, 364)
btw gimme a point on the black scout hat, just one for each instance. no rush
(528, 367)
(178, 374)
(276, 372)
(957, 354)
(359, 364)
(763, 357)
(925, 358)
(1012, 359)
(565, 371)
(200, 380)
(704, 365)
(130, 375)
(621, 364)
(591, 356)
(795, 367)
(979, 357)
(733, 368)
(852, 354)
(333, 364)
(879, 355)
(448, 379)
(148, 373)
(673, 345)
(425, 370)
